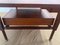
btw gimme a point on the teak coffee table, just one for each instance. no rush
(30, 16)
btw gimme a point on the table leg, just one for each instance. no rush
(5, 36)
(2, 29)
(51, 35)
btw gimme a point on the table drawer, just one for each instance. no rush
(27, 21)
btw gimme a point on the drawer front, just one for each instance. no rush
(27, 21)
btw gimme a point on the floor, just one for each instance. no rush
(30, 37)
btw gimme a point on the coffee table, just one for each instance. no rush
(35, 18)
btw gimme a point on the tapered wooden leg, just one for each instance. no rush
(2, 29)
(51, 35)
(5, 36)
